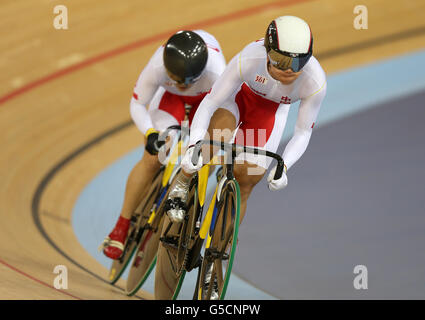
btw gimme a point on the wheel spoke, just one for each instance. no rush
(227, 241)
(171, 259)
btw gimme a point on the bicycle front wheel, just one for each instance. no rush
(221, 245)
(173, 250)
(144, 261)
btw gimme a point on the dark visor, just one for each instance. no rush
(286, 61)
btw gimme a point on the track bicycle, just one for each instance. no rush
(181, 244)
(141, 240)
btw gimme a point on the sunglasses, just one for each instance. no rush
(285, 61)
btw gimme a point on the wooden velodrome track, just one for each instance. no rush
(64, 111)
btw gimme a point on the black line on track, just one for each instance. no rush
(49, 176)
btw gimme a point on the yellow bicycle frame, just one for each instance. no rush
(169, 168)
(203, 175)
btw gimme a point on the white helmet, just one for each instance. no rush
(289, 43)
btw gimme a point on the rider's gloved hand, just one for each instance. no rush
(281, 183)
(153, 144)
(187, 164)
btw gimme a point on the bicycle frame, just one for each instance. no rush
(170, 171)
(233, 150)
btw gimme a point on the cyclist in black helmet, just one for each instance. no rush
(180, 73)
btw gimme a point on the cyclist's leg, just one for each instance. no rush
(247, 181)
(143, 172)
(137, 183)
(250, 169)
(221, 128)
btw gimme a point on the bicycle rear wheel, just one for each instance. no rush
(221, 245)
(135, 232)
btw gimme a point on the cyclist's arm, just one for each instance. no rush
(140, 116)
(144, 91)
(222, 89)
(307, 115)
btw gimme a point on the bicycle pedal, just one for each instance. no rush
(213, 254)
(104, 244)
(193, 263)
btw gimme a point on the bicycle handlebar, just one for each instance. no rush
(165, 133)
(161, 139)
(236, 150)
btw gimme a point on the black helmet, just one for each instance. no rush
(185, 56)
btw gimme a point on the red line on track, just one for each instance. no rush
(143, 42)
(37, 280)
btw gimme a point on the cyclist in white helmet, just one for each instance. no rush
(257, 89)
